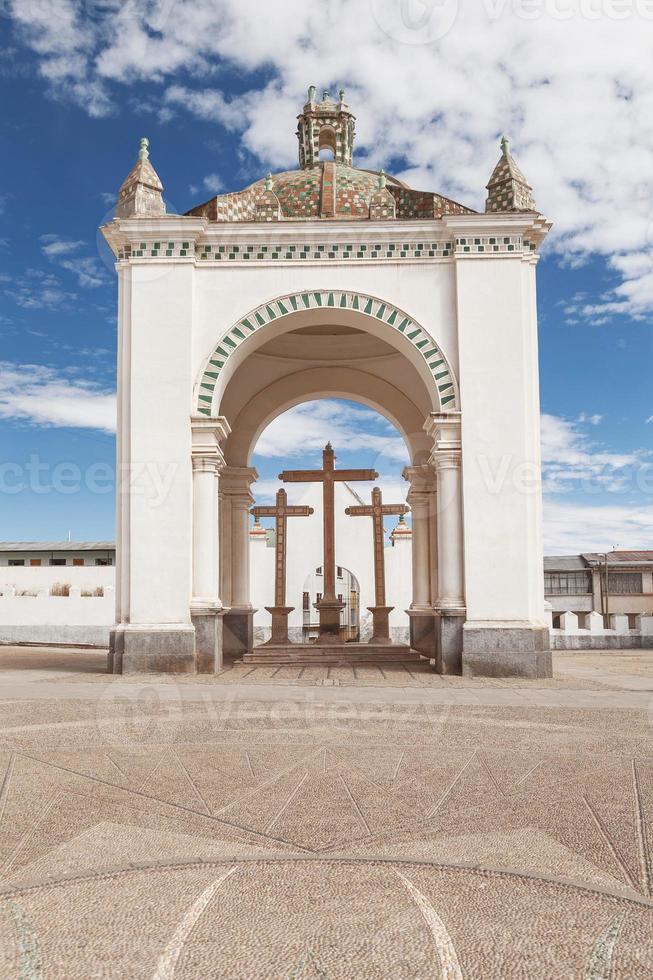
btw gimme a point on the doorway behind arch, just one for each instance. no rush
(361, 438)
(348, 591)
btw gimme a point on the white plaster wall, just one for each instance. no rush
(29, 611)
(225, 294)
(156, 330)
(500, 440)
(44, 577)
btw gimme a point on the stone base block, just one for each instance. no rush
(208, 640)
(506, 650)
(449, 647)
(153, 649)
(438, 636)
(422, 632)
(238, 632)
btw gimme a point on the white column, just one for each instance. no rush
(235, 482)
(444, 428)
(240, 505)
(450, 532)
(205, 531)
(208, 461)
(419, 498)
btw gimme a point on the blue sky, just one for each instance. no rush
(216, 86)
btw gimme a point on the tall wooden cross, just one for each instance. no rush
(281, 512)
(377, 511)
(329, 605)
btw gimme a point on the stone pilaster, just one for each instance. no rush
(206, 606)
(235, 484)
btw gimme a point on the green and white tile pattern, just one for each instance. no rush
(297, 302)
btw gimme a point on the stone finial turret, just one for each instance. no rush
(382, 203)
(508, 189)
(142, 191)
(268, 207)
(325, 125)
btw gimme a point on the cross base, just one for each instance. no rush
(279, 633)
(329, 610)
(380, 624)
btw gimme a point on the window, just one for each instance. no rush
(57, 561)
(568, 583)
(102, 561)
(306, 600)
(15, 562)
(34, 562)
(620, 583)
(340, 597)
(339, 571)
(319, 597)
(78, 561)
(632, 621)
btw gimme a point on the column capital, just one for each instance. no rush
(421, 478)
(207, 435)
(449, 459)
(236, 482)
(444, 429)
(207, 462)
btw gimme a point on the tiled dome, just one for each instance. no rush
(327, 190)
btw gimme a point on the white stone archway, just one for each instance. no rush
(333, 344)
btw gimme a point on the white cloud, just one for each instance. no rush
(38, 290)
(87, 269)
(571, 528)
(571, 460)
(308, 427)
(213, 183)
(42, 396)
(53, 246)
(455, 75)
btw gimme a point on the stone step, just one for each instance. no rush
(331, 656)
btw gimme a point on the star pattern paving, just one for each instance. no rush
(153, 836)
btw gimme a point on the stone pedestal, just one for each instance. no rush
(422, 632)
(153, 649)
(208, 623)
(238, 632)
(506, 650)
(329, 610)
(279, 635)
(380, 624)
(449, 641)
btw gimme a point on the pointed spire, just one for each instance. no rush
(508, 189)
(141, 192)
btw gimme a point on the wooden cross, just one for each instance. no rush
(377, 511)
(281, 512)
(329, 606)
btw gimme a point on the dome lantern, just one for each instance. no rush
(325, 125)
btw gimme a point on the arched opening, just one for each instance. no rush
(327, 144)
(348, 593)
(362, 438)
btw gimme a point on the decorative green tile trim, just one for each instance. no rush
(370, 306)
(314, 251)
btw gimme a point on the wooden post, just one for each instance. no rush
(377, 511)
(280, 611)
(329, 606)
